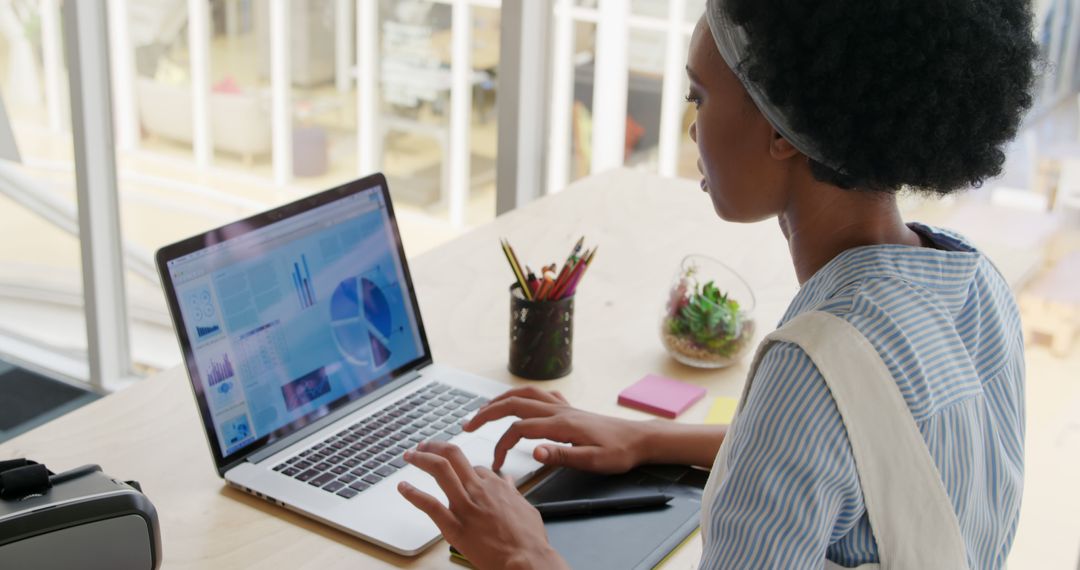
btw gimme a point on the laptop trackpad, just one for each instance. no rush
(481, 452)
(493, 431)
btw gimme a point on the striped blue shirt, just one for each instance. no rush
(947, 327)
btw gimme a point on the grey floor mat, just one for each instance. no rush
(28, 400)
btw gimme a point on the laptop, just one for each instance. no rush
(307, 356)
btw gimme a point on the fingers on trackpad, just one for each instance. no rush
(494, 430)
(519, 463)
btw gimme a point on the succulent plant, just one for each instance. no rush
(707, 317)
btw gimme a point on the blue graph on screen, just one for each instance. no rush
(361, 318)
(305, 291)
(220, 370)
(202, 313)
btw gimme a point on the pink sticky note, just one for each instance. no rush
(661, 396)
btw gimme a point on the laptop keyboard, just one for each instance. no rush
(361, 455)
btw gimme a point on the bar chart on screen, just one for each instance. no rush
(305, 290)
(220, 370)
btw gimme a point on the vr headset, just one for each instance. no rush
(80, 518)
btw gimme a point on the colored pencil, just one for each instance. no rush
(531, 279)
(552, 284)
(572, 288)
(564, 276)
(569, 289)
(549, 282)
(568, 268)
(563, 282)
(512, 260)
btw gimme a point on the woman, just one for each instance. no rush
(883, 423)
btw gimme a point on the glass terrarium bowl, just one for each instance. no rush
(708, 320)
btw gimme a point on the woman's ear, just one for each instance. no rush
(781, 149)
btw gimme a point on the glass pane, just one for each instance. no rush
(646, 55)
(694, 10)
(650, 8)
(647, 51)
(165, 196)
(658, 9)
(162, 73)
(323, 112)
(240, 87)
(485, 125)
(581, 115)
(41, 306)
(415, 91)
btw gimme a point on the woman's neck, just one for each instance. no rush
(822, 221)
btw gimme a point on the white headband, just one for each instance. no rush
(731, 40)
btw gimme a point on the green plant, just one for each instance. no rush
(707, 317)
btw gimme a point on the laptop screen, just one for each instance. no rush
(292, 319)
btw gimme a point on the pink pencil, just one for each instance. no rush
(579, 273)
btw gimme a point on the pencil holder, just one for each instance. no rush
(541, 336)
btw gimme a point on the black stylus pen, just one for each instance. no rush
(584, 507)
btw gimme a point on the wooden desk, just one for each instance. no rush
(643, 224)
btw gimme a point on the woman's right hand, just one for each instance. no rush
(599, 443)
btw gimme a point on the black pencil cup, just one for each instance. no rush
(541, 336)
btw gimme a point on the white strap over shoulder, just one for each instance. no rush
(912, 517)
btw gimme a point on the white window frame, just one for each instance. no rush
(107, 337)
(614, 20)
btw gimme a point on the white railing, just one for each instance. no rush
(612, 77)
(614, 21)
(369, 130)
(613, 18)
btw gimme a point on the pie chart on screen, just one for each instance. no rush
(361, 321)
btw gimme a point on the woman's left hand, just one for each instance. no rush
(488, 520)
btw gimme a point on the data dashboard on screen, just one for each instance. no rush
(291, 317)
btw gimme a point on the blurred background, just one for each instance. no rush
(222, 108)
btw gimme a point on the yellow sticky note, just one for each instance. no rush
(722, 411)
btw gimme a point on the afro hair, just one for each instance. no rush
(920, 94)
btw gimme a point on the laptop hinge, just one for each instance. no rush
(334, 416)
